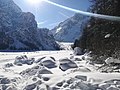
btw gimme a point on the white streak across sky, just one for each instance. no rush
(107, 17)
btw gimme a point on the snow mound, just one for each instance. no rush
(19, 60)
(77, 51)
(66, 64)
(111, 60)
(36, 70)
(48, 62)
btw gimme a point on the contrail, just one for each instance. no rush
(107, 17)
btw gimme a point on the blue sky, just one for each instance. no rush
(47, 15)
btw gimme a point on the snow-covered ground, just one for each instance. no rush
(60, 70)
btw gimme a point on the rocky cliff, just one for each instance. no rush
(18, 30)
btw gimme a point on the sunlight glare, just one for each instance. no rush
(34, 2)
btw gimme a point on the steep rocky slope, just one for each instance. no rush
(18, 30)
(70, 29)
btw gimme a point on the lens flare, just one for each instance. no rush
(107, 17)
(34, 2)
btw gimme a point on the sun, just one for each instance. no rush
(34, 2)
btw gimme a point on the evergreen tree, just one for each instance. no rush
(95, 32)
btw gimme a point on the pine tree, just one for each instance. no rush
(94, 36)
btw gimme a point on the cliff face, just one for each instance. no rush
(70, 29)
(18, 30)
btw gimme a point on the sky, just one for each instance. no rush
(48, 15)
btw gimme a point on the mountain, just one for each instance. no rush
(70, 29)
(18, 30)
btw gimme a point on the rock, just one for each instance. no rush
(48, 62)
(77, 51)
(78, 59)
(37, 61)
(83, 78)
(70, 81)
(4, 81)
(39, 82)
(30, 87)
(111, 60)
(46, 78)
(18, 64)
(8, 65)
(60, 84)
(104, 86)
(65, 85)
(29, 62)
(34, 79)
(66, 64)
(23, 60)
(72, 86)
(45, 71)
(4, 87)
(53, 58)
(29, 72)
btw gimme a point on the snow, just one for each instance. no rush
(58, 29)
(111, 60)
(28, 76)
(107, 36)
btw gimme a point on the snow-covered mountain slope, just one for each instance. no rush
(70, 29)
(18, 30)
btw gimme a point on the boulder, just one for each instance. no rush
(48, 62)
(4, 81)
(30, 87)
(45, 71)
(83, 78)
(19, 60)
(66, 64)
(77, 51)
(8, 65)
(112, 60)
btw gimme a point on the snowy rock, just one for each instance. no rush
(45, 71)
(111, 60)
(8, 65)
(65, 85)
(66, 64)
(70, 81)
(3, 87)
(30, 87)
(4, 81)
(107, 36)
(38, 60)
(46, 78)
(36, 70)
(77, 51)
(83, 78)
(60, 84)
(23, 60)
(48, 62)
(104, 86)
